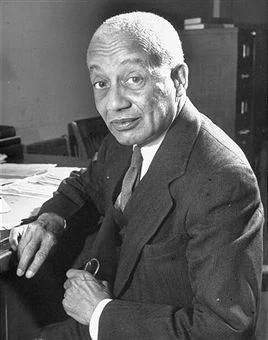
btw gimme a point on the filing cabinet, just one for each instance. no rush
(228, 80)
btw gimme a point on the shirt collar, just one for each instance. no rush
(149, 150)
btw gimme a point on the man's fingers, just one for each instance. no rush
(26, 254)
(106, 284)
(39, 259)
(40, 256)
(70, 313)
(67, 284)
(15, 235)
(34, 241)
(27, 247)
(30, 250)
(25, 238)
(75, 272)
(14, 239)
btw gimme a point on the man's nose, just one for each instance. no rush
(117, 100)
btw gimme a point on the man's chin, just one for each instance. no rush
(127, 141)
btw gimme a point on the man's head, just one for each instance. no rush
(138, 75)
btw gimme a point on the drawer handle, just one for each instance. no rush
(244, 107)
(245, 76)
(243, 132)
(246, 51)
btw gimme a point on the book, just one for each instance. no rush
(13, 150)
(7, 131)
(4, 242)
(9, 141)
(212, 20)
(11, 146)
(201, 26)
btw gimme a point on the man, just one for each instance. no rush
(181, 258)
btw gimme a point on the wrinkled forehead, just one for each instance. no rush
(105, 43)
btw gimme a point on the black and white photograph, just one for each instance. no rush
(133, 169)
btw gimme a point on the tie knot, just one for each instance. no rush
(136, 159)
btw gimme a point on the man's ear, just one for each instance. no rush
(179, 75)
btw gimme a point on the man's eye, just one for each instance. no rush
(135, 80)
(100, 85)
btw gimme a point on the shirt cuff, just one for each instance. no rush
(95, 318)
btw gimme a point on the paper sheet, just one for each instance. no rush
(14, 170)
(25, 196)
(4, 206)
(21, 207)
(38, 185)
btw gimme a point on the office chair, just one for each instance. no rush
(10, 143)
(86, 135)
(54, 146)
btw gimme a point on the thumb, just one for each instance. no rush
(106, 284)
(15, 235)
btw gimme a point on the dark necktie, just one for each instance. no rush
(131, 178)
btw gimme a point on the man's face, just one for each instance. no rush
(136, 100)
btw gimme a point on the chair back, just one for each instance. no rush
(58, 146)
(86, 135)
(10, 143)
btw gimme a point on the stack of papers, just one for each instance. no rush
(38, 185)
(2, 158)
(13, 170)
(23, 197)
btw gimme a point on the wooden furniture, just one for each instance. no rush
(86, 135)
(61, 161)
(54, 146)
(228, 80)
(10, 143)
(28, 158)
(19, 318)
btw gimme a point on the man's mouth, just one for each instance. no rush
(125, 123)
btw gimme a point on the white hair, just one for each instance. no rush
(153, 33)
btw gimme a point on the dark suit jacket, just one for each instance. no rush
(191, 259)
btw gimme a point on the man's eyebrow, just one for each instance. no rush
(134, 61)
(94, 67)
(124, 62)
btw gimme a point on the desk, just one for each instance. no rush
(29, 158)
(45, 159)
(14, 314)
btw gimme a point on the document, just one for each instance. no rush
(24, 197)
(13, 170)
(39, 185)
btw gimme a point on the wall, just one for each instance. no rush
(44, 75)
(255, 12)
(44, 81)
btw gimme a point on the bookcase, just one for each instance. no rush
(228, 80)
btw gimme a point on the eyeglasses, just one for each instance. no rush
(92, 266)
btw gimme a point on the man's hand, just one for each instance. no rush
(33, 242)
(82, 295)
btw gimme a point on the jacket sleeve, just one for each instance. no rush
(79, 188)
(224, 255)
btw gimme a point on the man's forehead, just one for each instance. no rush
(123, 51)
(131, 60)
(109, 42)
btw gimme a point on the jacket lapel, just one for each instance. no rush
(170, 162)
(118, 164)
(104, 247)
